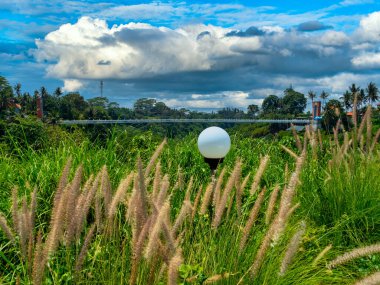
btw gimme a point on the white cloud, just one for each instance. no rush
(135, 49)
(334, 38)
(355, 2)
(367, 60)
(71, 85)
(11, 57)
(340, 82)
(236, 99)
(218, 70)
(370, 27)
(142, 11)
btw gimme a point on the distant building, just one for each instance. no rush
(316, 109)
(40, 112)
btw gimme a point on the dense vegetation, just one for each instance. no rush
(18, 114)
(72, 105)
(123, 205)
(128, 209)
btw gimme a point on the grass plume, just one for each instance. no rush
(292, 248)
(259, 173)
(252, 218)
(353, 254)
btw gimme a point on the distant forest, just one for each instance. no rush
(72, 106)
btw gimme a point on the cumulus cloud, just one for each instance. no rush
(370, 27)
(208, 66)
(71, 85)
(135, 49)
(334, 38)
(367, 60)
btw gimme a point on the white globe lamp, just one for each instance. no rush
(214, 144)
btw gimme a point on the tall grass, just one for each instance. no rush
(343, 191)
(153, 215)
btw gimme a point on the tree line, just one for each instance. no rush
(73, 106)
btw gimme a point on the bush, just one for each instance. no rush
(24, 133)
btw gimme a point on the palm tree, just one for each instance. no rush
(58, 92)
(355, 91)
(324, 95)
(6, 94)
(347, 100)
(372, 93)
(361, 97)
(312, 95)
(17, 89)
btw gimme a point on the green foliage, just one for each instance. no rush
(253, 110)
(293, 102)
(325, 196)
(333, 113)
(6, 94)
(345, 198)
(73, 106)
(338, 199)
(271, 104)
(23, 134)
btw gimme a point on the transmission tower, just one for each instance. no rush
(101, 88)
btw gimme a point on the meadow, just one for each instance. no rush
(136, 209)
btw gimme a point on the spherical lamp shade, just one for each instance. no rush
(214, 143)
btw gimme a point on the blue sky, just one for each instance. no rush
(194, 54)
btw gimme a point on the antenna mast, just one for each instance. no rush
(101, 88)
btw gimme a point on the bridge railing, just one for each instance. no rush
(160, 121)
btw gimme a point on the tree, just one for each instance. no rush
(324, 95)
(28, 104)
(372, 93)
(101, 102)
(17, 89)
(354, 89)
(253, 110)
(160, 109)
(293, 102)
(230, 113)
(51, 104)
(271, 104)
(347, 100)
(6, 95)
(114, 110)
(333, 112)
(144, 106)
(312, 95)
(58, 92)
(73, 106)
(113, 105)
(359, 93)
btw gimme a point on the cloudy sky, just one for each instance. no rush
(190, 54)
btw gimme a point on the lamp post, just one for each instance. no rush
(214, 143)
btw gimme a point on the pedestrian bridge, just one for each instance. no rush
(162, 121)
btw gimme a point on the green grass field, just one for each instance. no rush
(276, 216)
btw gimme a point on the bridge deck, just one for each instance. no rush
(160, 121)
